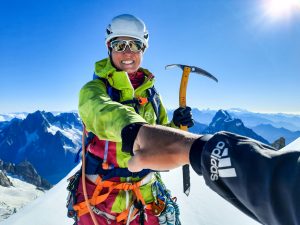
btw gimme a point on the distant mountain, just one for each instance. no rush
(49, 142)
(272, 133)
(251, 119)
(201, 116)
(26, 172)
(223, 121)
(3, 124)
(10, 116)
(198, 128)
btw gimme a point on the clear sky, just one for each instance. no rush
(48, 49)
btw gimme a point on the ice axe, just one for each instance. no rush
(182, 103)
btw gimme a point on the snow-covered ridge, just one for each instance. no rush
(14, 198)
(49, 142)
(73, 134)
(10, 116)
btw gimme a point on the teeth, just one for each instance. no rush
(127, 62)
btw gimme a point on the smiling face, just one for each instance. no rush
(127, 60)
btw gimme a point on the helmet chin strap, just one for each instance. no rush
(111, 60)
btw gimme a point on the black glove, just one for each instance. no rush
(183, 116)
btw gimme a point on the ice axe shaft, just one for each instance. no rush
(182, 91)
(182, 103)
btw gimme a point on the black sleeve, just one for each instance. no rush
(257, 179)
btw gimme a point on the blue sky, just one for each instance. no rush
(48, 50)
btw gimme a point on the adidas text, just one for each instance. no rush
(220, 163)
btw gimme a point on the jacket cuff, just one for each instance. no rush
(196, 152)
(128, 135)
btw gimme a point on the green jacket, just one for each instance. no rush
(106, 118)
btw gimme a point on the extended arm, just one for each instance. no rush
(258, 180)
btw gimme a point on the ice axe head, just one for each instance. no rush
(184, 79)
(193, 69)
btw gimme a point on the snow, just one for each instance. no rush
(49, 209)
(238, 124)
(14, 198)
(10, 116)
(71, 133)
(295, 145)
(202, 206)
(53, 129)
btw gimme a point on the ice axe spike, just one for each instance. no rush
(182, 103)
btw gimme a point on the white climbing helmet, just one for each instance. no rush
(128, 26)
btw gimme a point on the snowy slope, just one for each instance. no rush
(202, 207)
(14, 198)
(295, 145)
(49, 209)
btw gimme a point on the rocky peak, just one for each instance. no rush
(4, 180)
(279, 143)
(36, 121)
(27, 172)
(223, 121)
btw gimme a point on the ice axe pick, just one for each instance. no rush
(182, 103)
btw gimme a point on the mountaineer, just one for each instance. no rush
(121, 93)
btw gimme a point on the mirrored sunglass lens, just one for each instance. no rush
(135, 46)
(118, 46)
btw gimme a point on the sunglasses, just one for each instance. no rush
(120, 45)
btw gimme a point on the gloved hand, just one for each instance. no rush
(183, 116)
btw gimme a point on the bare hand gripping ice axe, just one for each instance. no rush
(182, 103)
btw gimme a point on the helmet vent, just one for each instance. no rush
(108, 31)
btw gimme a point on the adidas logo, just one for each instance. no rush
(220, 163)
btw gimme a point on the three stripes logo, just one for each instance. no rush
(220, 163)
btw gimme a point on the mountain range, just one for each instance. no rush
(223, 121)
(251, 119)
(269, 126)
(48, 142)
(272, 133)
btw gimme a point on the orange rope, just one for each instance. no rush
(83, 180)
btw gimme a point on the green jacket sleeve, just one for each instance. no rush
(102, 116)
